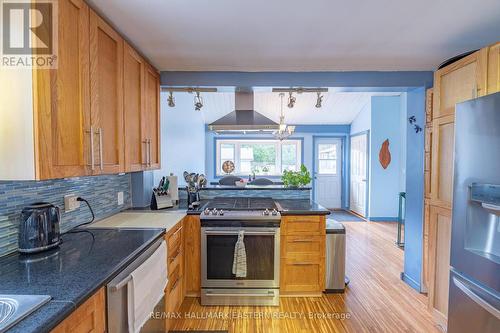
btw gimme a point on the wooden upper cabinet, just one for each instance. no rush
(151, 117)
(61, 100)
(133, 106)
(106, 94)
(458, 82)
(493, 80)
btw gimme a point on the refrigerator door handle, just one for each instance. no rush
(476, 298)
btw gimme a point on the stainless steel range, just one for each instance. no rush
(257, 222)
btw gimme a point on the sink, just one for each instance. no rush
(14, 308)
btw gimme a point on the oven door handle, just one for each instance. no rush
(222, 233)
(268, 294)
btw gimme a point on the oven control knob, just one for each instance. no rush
(206, 211)
(274, 212)
(266, 212)
(221, 212)
(214, 211)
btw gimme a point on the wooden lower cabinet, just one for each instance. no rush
(302, 259)
(192, 252)
(90, 317)
(439, 261)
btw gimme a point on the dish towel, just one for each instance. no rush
(240, 257)
(146, 288)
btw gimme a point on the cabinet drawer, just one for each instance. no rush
(303, 225)
(174, 293)
(292, 245)
(175, 261)
(174, 240)
(302, 274)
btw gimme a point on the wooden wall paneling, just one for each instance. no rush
(133, 108)
(61, 100)
(106, 93)
(192, 255)
(90, 317)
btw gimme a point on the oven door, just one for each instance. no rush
(262, 255)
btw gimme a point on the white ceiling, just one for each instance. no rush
(298, 35)
(338, 107)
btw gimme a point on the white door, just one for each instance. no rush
(359, 157)
(328, 172)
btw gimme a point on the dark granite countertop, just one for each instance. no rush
(84, 263)
(289, 207)
(301, 207)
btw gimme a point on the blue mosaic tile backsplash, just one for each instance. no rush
(275, 194)
(100, 191)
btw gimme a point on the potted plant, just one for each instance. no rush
(296, 178)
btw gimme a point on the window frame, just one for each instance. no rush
(241, 141)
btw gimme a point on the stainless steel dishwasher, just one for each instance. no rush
(335, 258)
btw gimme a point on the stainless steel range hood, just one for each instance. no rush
(244, 118)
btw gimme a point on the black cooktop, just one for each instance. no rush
(241, 203)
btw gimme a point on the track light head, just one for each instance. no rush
(198, 102)
(170, 99)
(319, 101)
(291, 100)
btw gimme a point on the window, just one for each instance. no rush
(327, 157)
(264, 157)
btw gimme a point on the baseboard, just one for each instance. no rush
(409, 281)
(383, 219)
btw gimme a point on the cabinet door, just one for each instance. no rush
(493, 69)
(192, 252)
(106, 93)
(90, 317)
(442, 161)
(133, 105)
(458, 82)
(151, 124)
(439, 260)
(62, 102)
(302, 273)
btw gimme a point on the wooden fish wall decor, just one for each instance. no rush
(384, 155)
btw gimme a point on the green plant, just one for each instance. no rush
(296, 178)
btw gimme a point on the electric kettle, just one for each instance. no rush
(39, 228)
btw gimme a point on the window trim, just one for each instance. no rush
(240, 140)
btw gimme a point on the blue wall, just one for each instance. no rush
(385, 183)
(182, 138)
(414, 189)
(363, 120)
(307, 133)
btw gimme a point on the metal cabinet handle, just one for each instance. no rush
(92, 160)
(302, 241)
(145, 141)
(175, 284)
(172, 259)
(149, 145)
(302, 263)
(101, 163)
(236, 233)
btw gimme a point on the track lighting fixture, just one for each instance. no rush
(291, 100)
(170, 99)
(198, 102)
(319, 100)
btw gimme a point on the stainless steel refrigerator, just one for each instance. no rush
(474, 301)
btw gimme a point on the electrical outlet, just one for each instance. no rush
(120, 198)
(70, 202)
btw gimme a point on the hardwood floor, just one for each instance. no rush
(375, 301)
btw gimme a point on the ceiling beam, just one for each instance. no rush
(345, 81)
